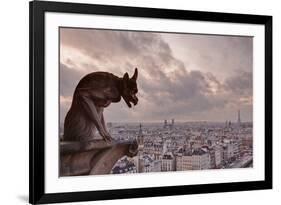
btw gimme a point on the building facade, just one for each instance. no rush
(168, 162)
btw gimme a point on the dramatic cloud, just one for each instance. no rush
(168, 85)
(240, 84)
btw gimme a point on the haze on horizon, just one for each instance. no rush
(185, 77)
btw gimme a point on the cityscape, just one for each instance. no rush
(182, 146)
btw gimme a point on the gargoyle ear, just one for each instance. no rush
(126, 78)
(135, 76)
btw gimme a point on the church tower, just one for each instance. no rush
(140, 140)
(140, 136)
(239, 119)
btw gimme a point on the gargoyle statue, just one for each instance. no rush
(93, 93)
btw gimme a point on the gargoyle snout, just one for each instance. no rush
(135, 99)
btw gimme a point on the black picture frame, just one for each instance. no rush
(37, 9)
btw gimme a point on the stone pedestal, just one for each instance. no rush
(93, 157)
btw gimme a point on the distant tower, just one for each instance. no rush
(140, 163)
(165, 123)
(173, 123)
(239, 119)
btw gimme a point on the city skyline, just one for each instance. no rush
(174, 146)
(187, 77)
(237, 120)
(176, 121)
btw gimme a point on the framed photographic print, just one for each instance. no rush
(140, 102)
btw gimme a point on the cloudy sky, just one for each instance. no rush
(182, 76)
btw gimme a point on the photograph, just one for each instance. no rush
(135, 102)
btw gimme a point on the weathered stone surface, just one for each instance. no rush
(93, 157)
